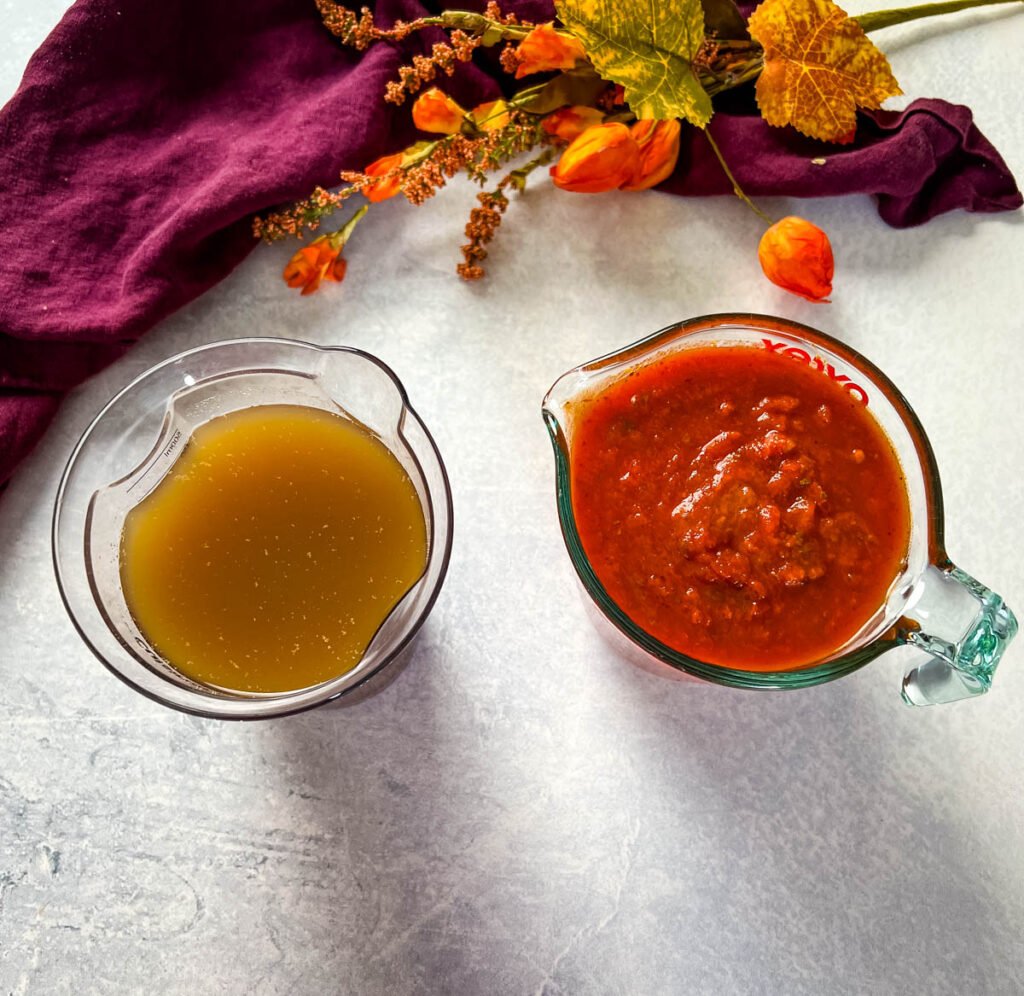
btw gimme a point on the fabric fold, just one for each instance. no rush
(920, 162)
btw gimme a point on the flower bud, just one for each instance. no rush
(381, 190)
(490, 116)
(545, 48)
(568, 123)
(436, 112)
(603, 158)
(797, 256)
(313, 263)
(659, 152)
(321, 259)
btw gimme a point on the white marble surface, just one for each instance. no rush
(518, 811)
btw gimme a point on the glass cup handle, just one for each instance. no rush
(963, 627)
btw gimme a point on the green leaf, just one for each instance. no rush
(648, 47)
(577, 86)
(724, 19)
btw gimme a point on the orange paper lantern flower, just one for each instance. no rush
(545, 48)
(659, 152)
(385, 188)
(568, 123)
(490, 116)
(313, 263)
(797, 256)
(436, 112)
(321, 259)
(602, 158)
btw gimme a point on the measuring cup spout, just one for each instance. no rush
(963, 627)
(364, 388)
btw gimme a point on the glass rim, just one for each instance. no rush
(283, 697)
(799, 677)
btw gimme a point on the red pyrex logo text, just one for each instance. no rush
(819, 364)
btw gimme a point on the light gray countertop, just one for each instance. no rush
(519, 810)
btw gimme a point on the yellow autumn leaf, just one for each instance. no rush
(819, 67)
(646, 47)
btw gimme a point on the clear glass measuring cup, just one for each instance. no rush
(134, 441)
(961, 627)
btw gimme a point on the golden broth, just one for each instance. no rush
(268, 557)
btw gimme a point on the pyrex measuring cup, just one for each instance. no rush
(959, 625)
(134, 441)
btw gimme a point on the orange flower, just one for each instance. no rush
(659, 151)
(321, 259)
(436, 112)
(602, 158)
(569, 122)
(313, 263)
(797, 256)
(490, 116)
(383, 189)
(545, 48)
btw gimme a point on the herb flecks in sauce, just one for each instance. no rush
(274, 548)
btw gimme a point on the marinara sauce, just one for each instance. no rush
(739, 506)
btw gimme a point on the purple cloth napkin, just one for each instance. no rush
(145, 136)
(919, 163)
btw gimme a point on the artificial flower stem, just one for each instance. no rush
(734, 63)
(415, 158)
(886, 18)
(715, 85)
(736, 188)
(479, 24)
(517, 178)
(468, 20)
(342, 235)
(481, 123)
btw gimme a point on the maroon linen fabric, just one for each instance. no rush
(918, 163)
(145, 136)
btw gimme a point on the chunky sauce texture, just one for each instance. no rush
(274, 548)
(738, 505)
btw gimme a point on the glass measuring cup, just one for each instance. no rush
(134, 441)
(959, 625)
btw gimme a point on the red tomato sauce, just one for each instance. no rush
(739, 506)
